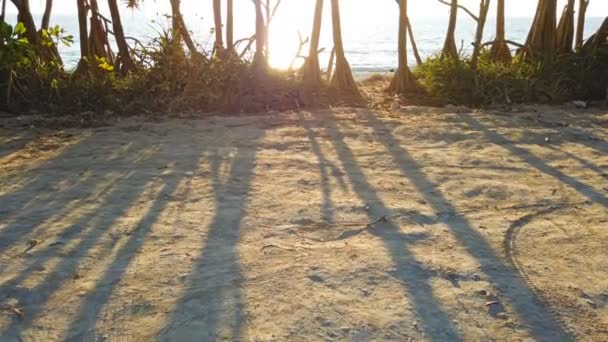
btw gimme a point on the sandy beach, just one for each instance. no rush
(332, 224)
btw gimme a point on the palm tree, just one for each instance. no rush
(343, 77)
(500, 50)
(24, 15)
(484, 7)
(217, 19)
(565, 28)
(580, 24)
(83, 33)
(260, 35)
(126, 63)
(312, 70)
(449, 47)
(3, 11)
(46, 17)
(403, 79)
(230, 25)
(542, 37)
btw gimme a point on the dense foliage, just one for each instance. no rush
(570, 76)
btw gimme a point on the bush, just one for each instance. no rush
(563, 78)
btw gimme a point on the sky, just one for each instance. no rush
(426, 8)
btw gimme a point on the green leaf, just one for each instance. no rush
(20, 28)
(6, 30)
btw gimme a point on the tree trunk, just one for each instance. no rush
(175, 27)
(46, 17)
(500, 50)
(542, 38)
(99, 45)
(343, 77)
(565, 28)
(484, 7)
(217, 18)
(403, 80)
(312, 69)
(267, 31)
(414, 46)
(25, 16)
(449, 47)
(580, 24)
(260, 57)
(126, 63)
(180, 32)
(83, 29)
(330, 64)
(230, 25)
(3, 11)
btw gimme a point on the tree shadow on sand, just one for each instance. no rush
(52, 190)
(534, 161)
(87, 239)
(538, 320)
(212, 306)
(415, 278)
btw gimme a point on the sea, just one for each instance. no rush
(370, 42)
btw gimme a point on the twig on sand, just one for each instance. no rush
(15, 311)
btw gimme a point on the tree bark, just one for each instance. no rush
(414, 46)
(126, 63)
(25, 16)
(312, 69)
(449, 47)
(260, 58)
(580, 24)
(343, 77)
(46, 17)
(500, 50)
(330, 64)
(267, 31)
(230, 25)
(83, 31)
(217, 18)
(3, 11)
(403, 80)
(180, 32)
(542, 38)
(565, 28)
(98, 36)
(484, 7)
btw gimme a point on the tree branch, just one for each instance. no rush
(519, 45)
(462, 8)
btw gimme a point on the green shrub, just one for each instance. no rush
(563, 78)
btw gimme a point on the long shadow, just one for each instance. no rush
(92, 304)
(327, 205)
(584, 189)
(215, 282)
(88, 230)
(534, 314)
(34, 200)
(416, 280)
(577, 135)
(17, 143)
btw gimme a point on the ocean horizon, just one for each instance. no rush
(370, 46)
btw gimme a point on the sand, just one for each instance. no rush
(337, 224)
